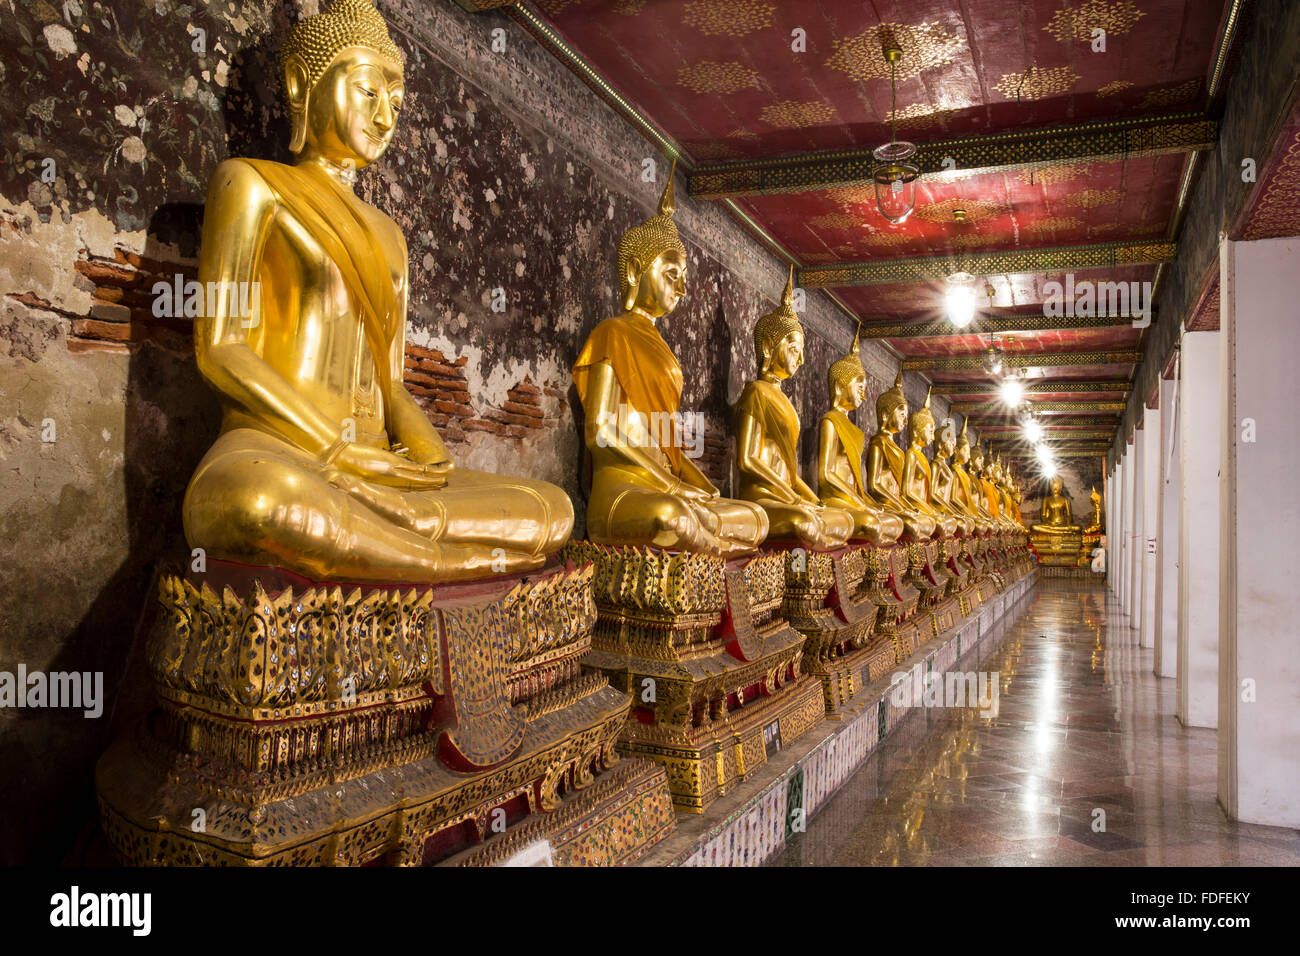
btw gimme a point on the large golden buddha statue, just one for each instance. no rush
(325, 463)
(767, 437)
(885, 463)
(943, 478)
(840, 444)
(1057, 516)
(644, 490)
(915, 485)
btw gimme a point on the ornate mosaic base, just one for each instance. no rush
(309, 724)
(714, 669)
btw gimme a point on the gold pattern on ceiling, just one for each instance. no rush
(1050, 175)
(1092, 198)
(1171, 95)
(925, 46)
(708, 150)
(733, 18)
(851, 195)
(922, 116)
(1116, 17)
(1053, 223)
(1278, 213)
(713, 76)
(835, 220)
(747, 135)
(1116, 86)
(977, 210)
(885, 240)
(976, 241)
(791, 114)
(1037, 83)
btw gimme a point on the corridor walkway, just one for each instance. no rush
(1082, 726)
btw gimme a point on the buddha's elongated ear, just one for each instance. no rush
(631, 281)
(295, 94)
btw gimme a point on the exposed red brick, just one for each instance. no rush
(460, 362)
(447, 408)
(521, 420)
(95, 329)
(438, 420)
(31, 300)
(454, 432)
(526, 387)
(421, 352)
(531, 411)
(464, 409)
(101, 272)
(516, 431)
(479, 425)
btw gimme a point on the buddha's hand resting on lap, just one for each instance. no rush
(385, 468)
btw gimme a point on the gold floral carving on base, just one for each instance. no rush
(289, 720)
(925, 46)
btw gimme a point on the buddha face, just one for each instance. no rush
(897, 419)
(922, 431)
(1056, 487)
(659, 286)
(787, 357)
(852, 394)
(352, 110)
(962, 453)
(947, 444)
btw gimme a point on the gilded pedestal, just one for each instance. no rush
(715, 672)
(316, 724)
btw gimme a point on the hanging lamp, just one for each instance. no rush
(894, 176)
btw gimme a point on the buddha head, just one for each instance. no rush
(778, 337)
(1056, 485)
(847, 379)
(947, 440)
(977, 460)
(891, 407)
(343, 81)
(962, 451)
(652, 260)
(921, 426)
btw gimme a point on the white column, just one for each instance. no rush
(1126, 533)
(1108, 519)
(1165, 616)
(1148, 542)
(1259, 534)
(1136, 495)
(1200, 415)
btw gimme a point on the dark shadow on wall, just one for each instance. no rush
(171, 417)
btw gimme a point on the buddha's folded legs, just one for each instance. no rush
(821, 529)
(630, 515)
(918, 525)
(257, 499)
(880, 528)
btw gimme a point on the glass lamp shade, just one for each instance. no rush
(895, 180)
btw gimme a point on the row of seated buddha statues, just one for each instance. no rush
(374, 655)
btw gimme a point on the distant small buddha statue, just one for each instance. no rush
(1057, 517)
(840, 444)
(884, 473)
(644, 490)
(943, 478)
(1004, 488)
(985, 488)
(1094, 525)
(767, 436)
(325, 465)
(915, 486)
(966, 491)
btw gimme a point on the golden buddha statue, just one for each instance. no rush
(767, 436)
(885, 463)
(966, 494)
(325, 464)
(1003, 483)
(985, 488)
(943, 479)
(1094, 525)
(644, 490)
(915, 485)
(1057, 517)
(840, 444)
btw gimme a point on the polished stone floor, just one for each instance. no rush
(1082, 726)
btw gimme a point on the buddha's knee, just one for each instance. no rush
(673, 523)
(258, 504)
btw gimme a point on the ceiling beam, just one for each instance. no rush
(964, 409)
(997, 324)
(970, 363)
(1108, 422)
(1013, 432)
(1031, 388)
(1100, 255)
(1096, 141)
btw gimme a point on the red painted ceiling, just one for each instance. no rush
(723, 81)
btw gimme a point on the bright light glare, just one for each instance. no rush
(961, 305)
(1049, 470)
(1033, 432)
(1013, 393)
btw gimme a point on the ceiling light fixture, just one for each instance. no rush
(1033, 432)
(992, 356)
(1013, 392)
(960, 299)
(895, 177)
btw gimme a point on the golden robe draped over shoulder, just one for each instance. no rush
(852, 441)
(645, 367)
(768, 405)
